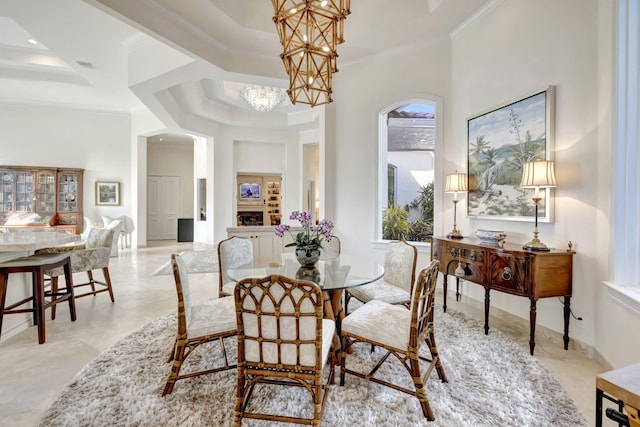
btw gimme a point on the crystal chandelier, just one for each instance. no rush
(309, 32)
(262, 98)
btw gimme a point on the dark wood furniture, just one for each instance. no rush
(53, 193)
(40, 298)
(622, 387)
(509, 269)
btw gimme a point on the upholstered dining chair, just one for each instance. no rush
(396, 285)
(331, 248)
(283, 339)
(92, 255)
(402, 333)
(234, 252)
(197, 324)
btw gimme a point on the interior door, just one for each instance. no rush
(163, 207)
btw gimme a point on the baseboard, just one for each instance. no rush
(555, 337)
(15, 329)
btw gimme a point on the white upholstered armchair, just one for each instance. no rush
(94, 254)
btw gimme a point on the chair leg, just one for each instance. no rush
(54, 290)
(38, 302)
(91, 282)
(433, 348)
(4, 279)
(68, 279)
(347, 297)
(421, 394)
(178, 358)
(107, 279)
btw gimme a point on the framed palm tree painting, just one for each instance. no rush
(500, 141)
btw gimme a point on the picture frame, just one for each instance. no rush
(499, 142)
(108, 193)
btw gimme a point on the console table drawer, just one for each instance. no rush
(508, 272)
(475, 256)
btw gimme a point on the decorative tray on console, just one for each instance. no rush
(491, 237)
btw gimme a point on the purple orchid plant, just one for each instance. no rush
(312, 235)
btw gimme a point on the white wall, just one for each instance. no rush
(175, 160)
(361, 91)
(99, 142)
(250, 150)
(504, 57)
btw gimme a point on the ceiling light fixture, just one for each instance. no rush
(262, 98)
(310, 31)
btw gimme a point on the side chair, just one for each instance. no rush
(283, 340)
(331, 248)
(197, 324)
(396, 286)
(234, 252)
(92, 255)
(402, 333)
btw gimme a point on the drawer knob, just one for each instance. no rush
(506, 274)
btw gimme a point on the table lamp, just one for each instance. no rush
(537, 175)
(456, 183)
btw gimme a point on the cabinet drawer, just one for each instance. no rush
(508, 273)
(472, 261)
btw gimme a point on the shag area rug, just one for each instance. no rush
(492, 382)
(196, 261)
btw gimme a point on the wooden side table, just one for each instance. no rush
(621, 386)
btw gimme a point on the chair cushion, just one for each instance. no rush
(380, 290)
(228, 288)
(99, 238)
(381, 322)
(116, 226)
(212, 317)
(328, 332)
(399, 262)
(84, 260)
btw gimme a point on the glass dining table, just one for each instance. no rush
(332, 274)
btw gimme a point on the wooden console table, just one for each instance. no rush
(508, 269)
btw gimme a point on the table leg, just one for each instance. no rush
(567, 313)
(532, 326)
(457, 289)
(444, 287)
(598, 407)
(487, 300)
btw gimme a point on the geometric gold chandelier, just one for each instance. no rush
(310, 31)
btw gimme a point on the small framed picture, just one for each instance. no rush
(107, 193)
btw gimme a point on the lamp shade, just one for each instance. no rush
(456, 183)
(540, 174)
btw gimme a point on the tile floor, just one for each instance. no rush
(32, 375)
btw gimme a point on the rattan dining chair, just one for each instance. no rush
(197, 324)
(234, 252)
(283, 339)
(402, 333)
(396, 285)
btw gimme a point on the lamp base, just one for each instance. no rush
(536, 245)
(455, 234)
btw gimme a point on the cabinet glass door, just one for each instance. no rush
(24, 191)
(45, 194)
(6, 192)
(68, 192)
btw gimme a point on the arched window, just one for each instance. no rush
(407, 144)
